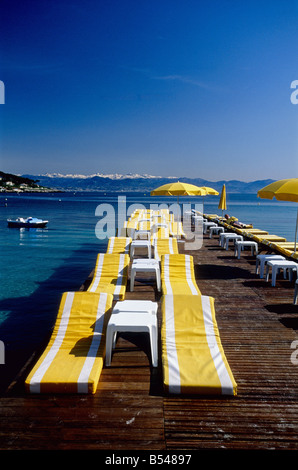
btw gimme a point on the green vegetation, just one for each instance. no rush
(14, 183)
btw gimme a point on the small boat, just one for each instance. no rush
(30, 222)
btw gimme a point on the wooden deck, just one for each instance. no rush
(130, 411)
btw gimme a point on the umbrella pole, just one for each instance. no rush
(178, 218)
(296, 231)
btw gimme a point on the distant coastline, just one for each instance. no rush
(135, 183)
(131, 183)
(10, 183)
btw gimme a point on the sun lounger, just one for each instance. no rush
(145, 225)
(254, 231)
(131, 226)
(176, 230)
(286, 249)
(266, 239)
(122, 231)
(193, 360)
(159, 233)
(285, 245)
(211, 216)
(119, 245)
(73, 359)
(110, 275)
(165, 247)
(177, 275)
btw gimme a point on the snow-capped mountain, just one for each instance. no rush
(134, 182)
(116, 176)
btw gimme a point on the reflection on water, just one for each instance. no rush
(32, 235)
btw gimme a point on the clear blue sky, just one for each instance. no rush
(166, 87)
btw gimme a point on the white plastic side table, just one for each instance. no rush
(142, 233)
(145, 265)
(222, 237)
(140, 243)
(138, 316)
(276, 265)
(216, 230)
(240, 245)
(262, 260)
(226, 237)
(207, 225)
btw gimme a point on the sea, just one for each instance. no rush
(38, 265)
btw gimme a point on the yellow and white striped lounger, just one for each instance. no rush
(193, 359)
(131, 226)
(250, 231)
(159, 233)
(119, 245)
(73, 359)
(176, 229)
(177, 275)
(286, 249)
(166, 246)
(110, 275)
(266, 239)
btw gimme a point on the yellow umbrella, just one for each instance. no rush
(182, 189)
(223, 199)
(177, 189)
(282, 190)
(209, 191)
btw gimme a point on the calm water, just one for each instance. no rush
(37, 265)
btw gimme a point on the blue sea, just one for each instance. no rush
(38, 265)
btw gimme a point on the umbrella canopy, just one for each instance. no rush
(282, 190)
(209, 191)
(223, 199)
(205, 191)
(177, 189)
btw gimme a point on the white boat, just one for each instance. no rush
(30, 222)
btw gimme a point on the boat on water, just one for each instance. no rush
(30, 222)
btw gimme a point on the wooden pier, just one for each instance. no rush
(258, 324)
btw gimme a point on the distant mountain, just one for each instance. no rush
(135, 183)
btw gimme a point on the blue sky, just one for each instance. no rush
(170, 88)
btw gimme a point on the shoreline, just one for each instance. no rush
(31, 191)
